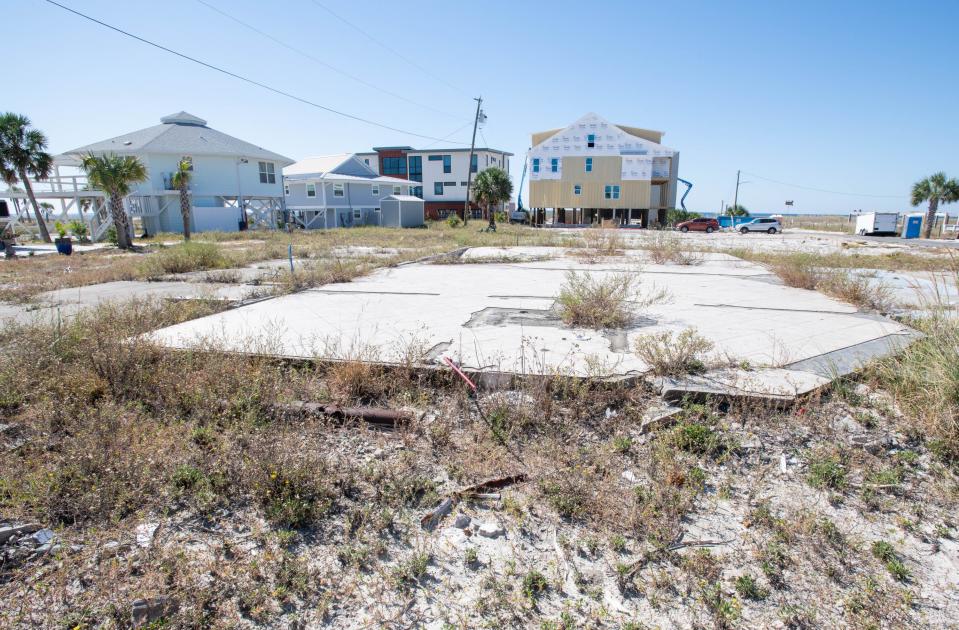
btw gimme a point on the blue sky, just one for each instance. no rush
(842, 96)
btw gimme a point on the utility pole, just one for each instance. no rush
(469, 168)
(732, 220)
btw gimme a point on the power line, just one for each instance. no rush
(823, 190)
(320, 61)
(386, 47)
(243, 78)
(452, 133)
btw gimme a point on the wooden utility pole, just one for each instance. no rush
(735, 208)
(469, 167)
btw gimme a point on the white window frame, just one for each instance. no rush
(376, 190)
(357, 214)
(339, 190)
(397, 190)
(308, 188)
(267, 170)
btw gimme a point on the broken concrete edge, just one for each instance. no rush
(456, 253)
(845, 361)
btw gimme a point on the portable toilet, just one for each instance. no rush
(912, 226)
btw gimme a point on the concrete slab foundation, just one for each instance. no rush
(499, 318)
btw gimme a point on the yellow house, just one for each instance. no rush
(593, 171)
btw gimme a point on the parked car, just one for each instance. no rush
(519, 216)
(770, 226)
(698, 225)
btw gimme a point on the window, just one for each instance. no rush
(577, 189)
(357, 215)
(417, 191)
(416, 168)
(589, 165)
(438, 188)
(337, 190)
(612, 192)
(286, 189)
(464, 184)
(554, 165)
(376, 189)
(591, 140)
(473, 163)
(367, 161)
(536, 165)
(447, 164)
(449, 183)
(397, 190)
(267, 173)
(394, 166)
(311, 190)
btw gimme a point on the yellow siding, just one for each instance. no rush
(559, 194)
(646, 134)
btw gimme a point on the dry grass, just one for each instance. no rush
(672, 354)
(665, 247)
(603, 300)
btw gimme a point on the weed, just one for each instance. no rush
(470, 557)
(534, 585)
(617, 543)
(671, 354)
(886, 553)
(192, 256)
(664, 247)
(412, 570)
(622, 443)
(826, 471)
(724, 610)
(749, 588)
(773, 560)
(600, 301)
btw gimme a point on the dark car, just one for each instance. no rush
(698, 225)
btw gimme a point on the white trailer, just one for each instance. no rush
(877, 224)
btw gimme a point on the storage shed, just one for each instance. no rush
(402, 211)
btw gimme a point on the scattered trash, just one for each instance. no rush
(385, 418)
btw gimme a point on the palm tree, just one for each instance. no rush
(737, 210)
(492, 187)
(115, 175)
(181, 181)
(22, 156)
(935, 189)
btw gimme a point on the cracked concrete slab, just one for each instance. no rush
(497, 318)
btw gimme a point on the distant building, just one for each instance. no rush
(340, 190)
(440, 173)
(593, 171)
(234, 182)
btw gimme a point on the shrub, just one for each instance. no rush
(192, 256)
(671, 354)
(664, 247)
(454, 221)
(603, 300)
(885, 552)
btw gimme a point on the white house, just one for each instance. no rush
(439, 175)
(333, 191)
(234, 184)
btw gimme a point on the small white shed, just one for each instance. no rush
(402, 211)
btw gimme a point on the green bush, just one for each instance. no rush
(453, 221)
(192, 256)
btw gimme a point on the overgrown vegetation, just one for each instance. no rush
(673, 354)
(603, 300)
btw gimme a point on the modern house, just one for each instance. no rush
(593, 171)
(235, 183)
(342, 191)
(440, 175)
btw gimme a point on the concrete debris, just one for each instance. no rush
(8, 532)
(629, 476)
(659, 417)
(462, 521)
(491, 529)
(42, 537)
(145, 533)
(146, 611)
(491, 484)
(386, 418)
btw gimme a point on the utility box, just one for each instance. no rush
(912, 226)
(877, 224)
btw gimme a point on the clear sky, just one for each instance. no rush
(851, 97)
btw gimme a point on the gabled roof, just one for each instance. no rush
(180, 134)
(341, 167)
(401, 198)
(650, 135)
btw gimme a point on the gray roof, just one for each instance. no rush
(181, 134)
